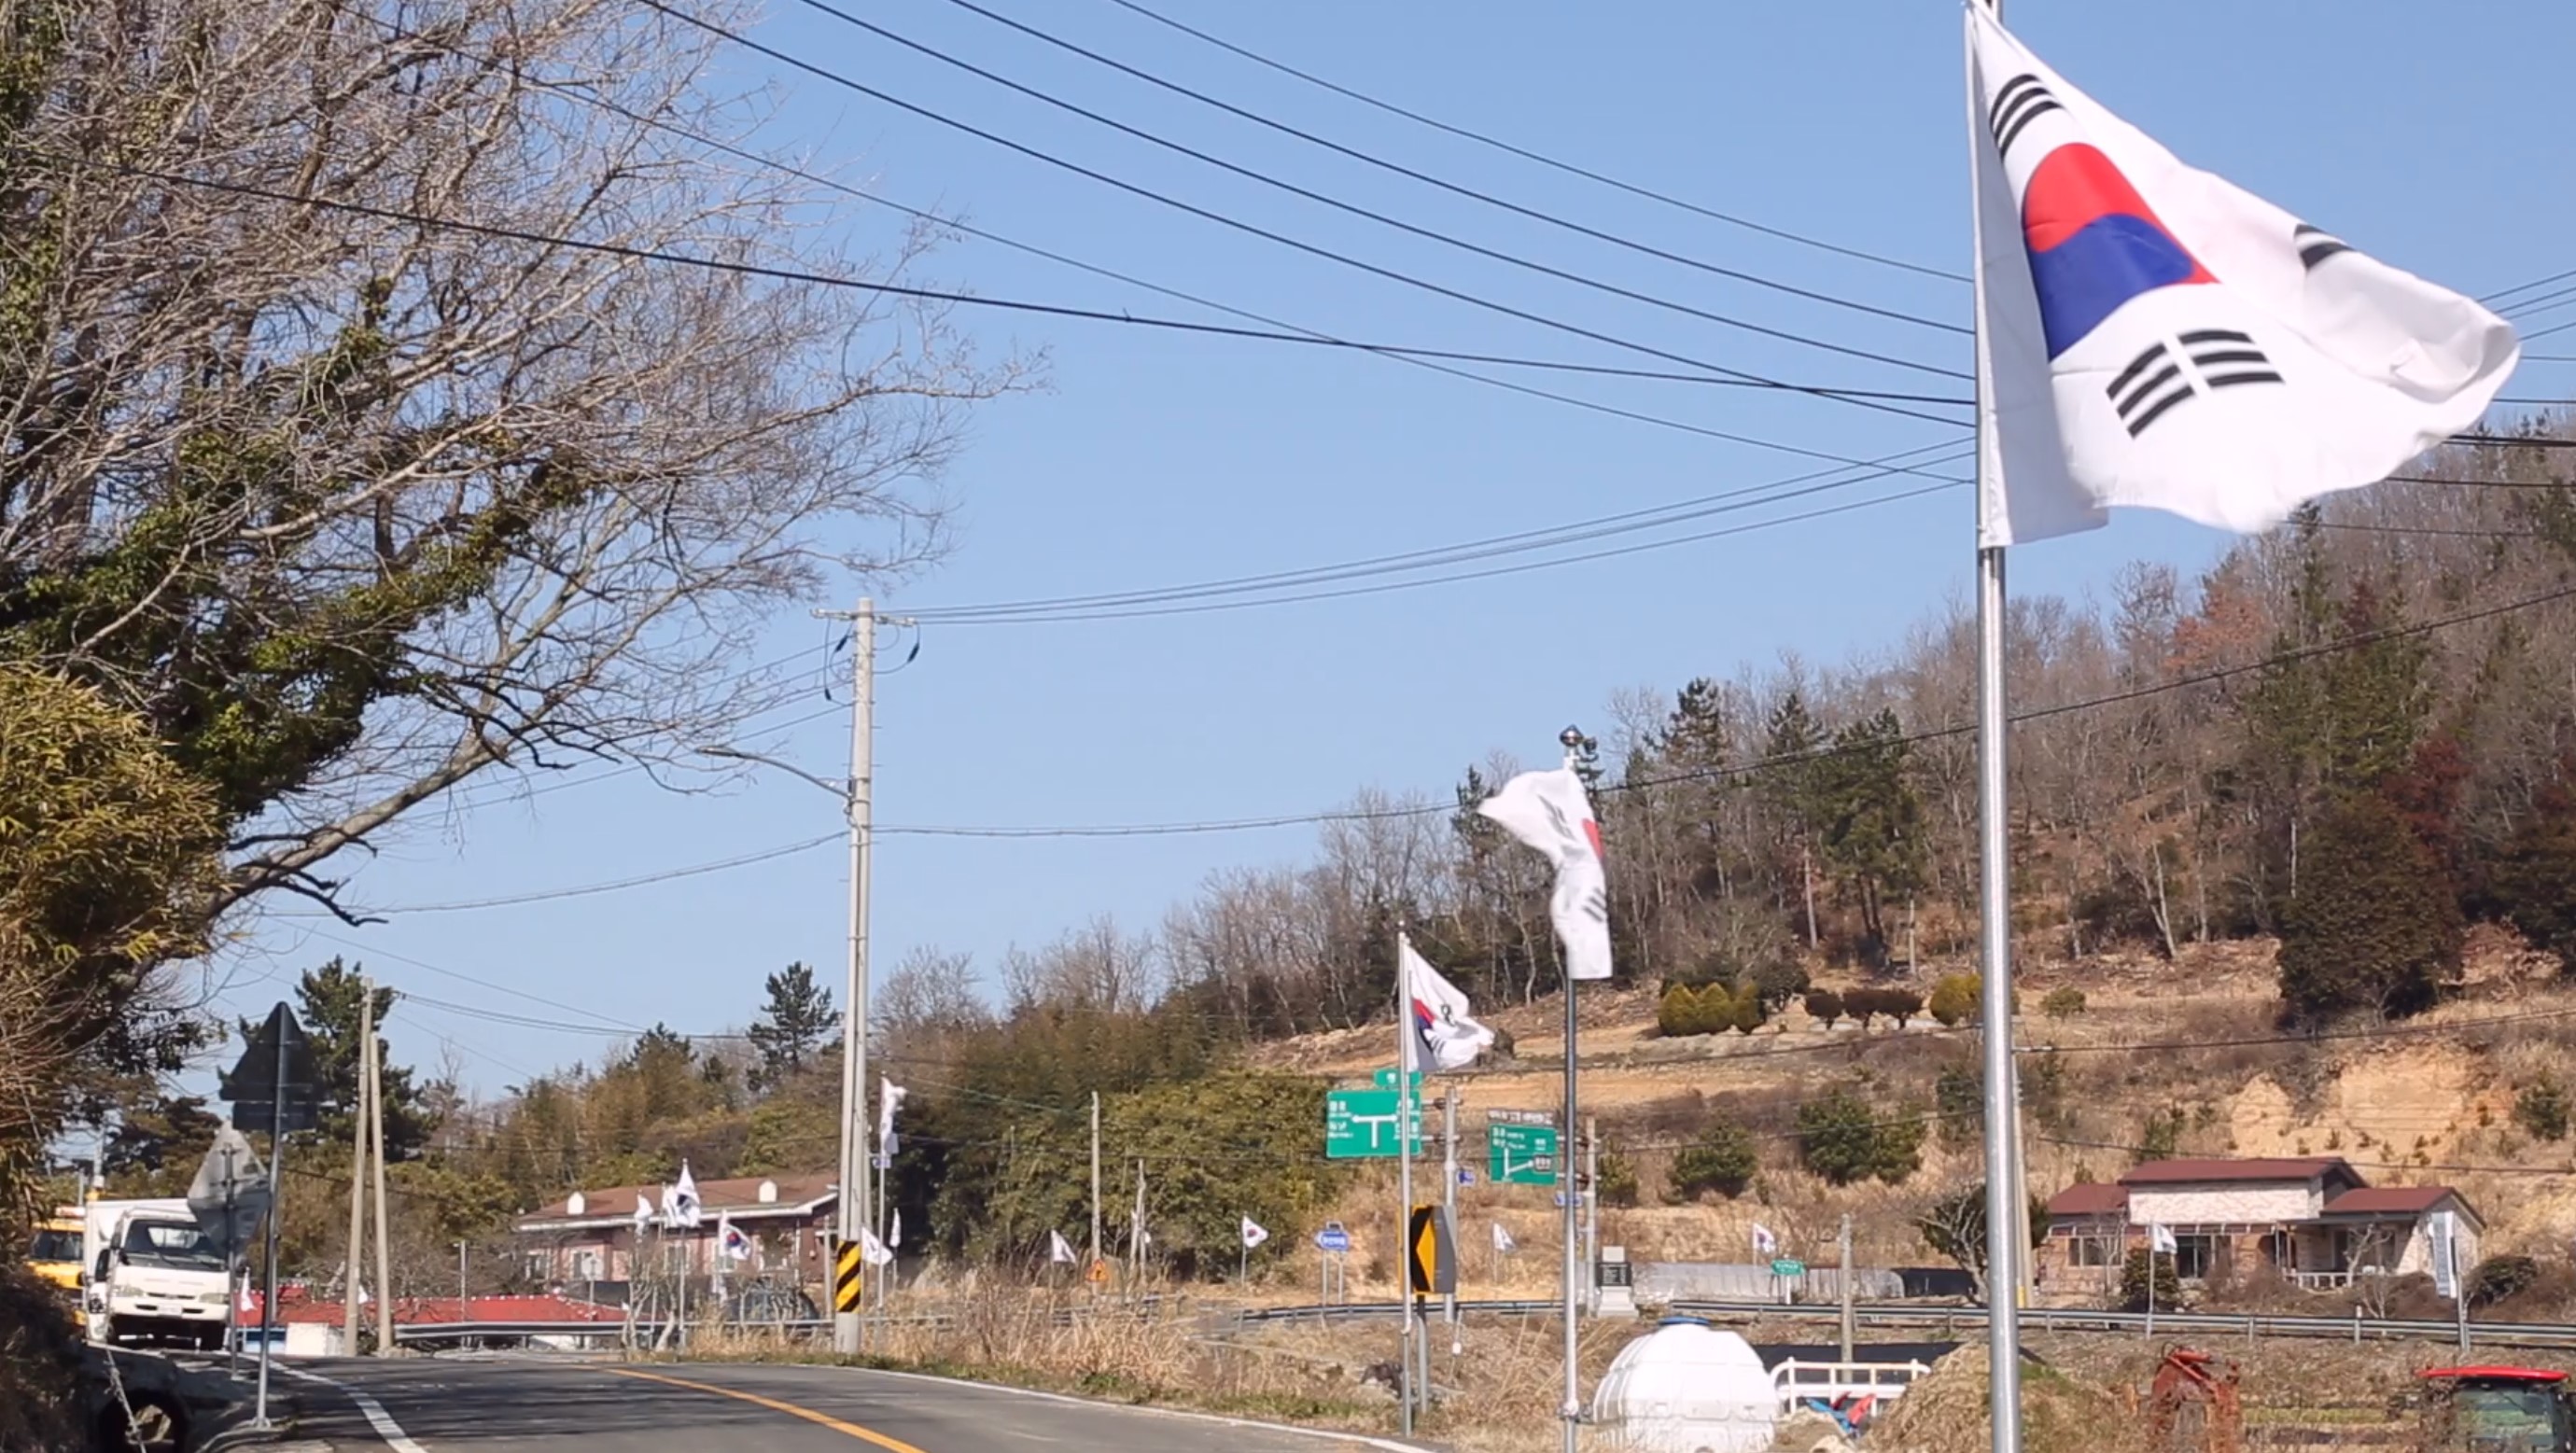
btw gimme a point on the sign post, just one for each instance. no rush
(1334, 1241)
(274, 1086)
(228, 1198)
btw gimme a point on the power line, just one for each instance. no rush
(1572, 532)
(1547, 161)
(1427, 179)
(1431, 234)
(1237, 224)
(2491, 299)
(615, 885)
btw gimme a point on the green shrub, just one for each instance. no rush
(1955, 999)
(2541, 1110)
(1618, 1183)
(2499, 1277)
(1723, 1160)
(2133, 1282)
(1677, 1013)
(1779, 981)
(2063, 1002)
(1824, 1006)
(1842, 1138)
(1960, 1099)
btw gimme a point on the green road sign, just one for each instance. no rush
(1359, 1123)
(1521, 1155)
(1787, 1267)
(1386, 1081)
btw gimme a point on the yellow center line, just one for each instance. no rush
(864, 1435)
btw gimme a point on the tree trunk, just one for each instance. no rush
(1807, 883)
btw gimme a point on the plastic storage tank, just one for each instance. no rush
(1687, 1387)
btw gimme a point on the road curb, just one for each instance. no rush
(1365, 1440)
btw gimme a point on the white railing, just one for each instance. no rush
(1795, 1381)
(2322, 1281)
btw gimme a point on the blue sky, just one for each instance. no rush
(2435, 139)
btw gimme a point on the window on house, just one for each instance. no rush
(2194, 1256)
(2092, 1250)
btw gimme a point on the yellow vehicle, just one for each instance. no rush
(54, 1254)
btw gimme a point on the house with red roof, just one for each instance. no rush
(591, 1237)
(2313, 1220)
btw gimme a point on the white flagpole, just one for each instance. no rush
(1404, 1037)
(1994, 887)
(1572, 1412)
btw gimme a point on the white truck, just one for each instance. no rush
(148, 1273)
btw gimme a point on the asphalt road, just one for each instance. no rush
(434, 1405)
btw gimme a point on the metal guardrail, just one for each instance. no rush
(1950, 1318)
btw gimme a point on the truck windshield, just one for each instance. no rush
(2510, 1419)
(55, 1244)
(174, 1245)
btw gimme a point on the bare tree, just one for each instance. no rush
(400, 395)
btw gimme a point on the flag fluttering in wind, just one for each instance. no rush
(1059, 1250)
(732, 1242)
(871, 1250)
(889, 1099)
(1764, 1243)
(1503, 1241)
(680, 1201)
(1445, 1036)
(1549, 812)
(1253, 1233)
(2153, 335)
(2160, 1239)
(894, 1227)
(643, 1211)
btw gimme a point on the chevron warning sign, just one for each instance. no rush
(845, 1277)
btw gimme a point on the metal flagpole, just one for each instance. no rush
(2004, 1246)
(1405, 1389)
(1572, 1412)
(1449, 1199)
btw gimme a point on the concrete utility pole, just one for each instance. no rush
(461, 1314)
(1449, 1201)
(357, 1183)
(384, 1242)
(852, 1213)
(1095, 1183)
(1136, 1231)
(1844, 1244)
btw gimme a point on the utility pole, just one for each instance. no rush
(1592, 1210)
(1844, 1245)
(1095, 1183)
(384, 1242)
(461, 1313)
(852, 1213)
(1449, 1201)
(1136, 1232)
(357, 1181)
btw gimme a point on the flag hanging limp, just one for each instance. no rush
(1549, 811)
(1444, 1034)
(889, 1100)
(2153, 335)
(1059, 1250)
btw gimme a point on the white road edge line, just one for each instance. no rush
(1384, 1445)
(377, 1418)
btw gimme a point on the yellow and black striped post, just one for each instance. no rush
(846, 1263)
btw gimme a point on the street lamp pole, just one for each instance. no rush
(854, 999)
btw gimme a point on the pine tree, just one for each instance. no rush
(329, 1000)
(1788, 784)
(1872, 821)
(2375, 924)
(1723, 1160)
(792, 1026)
(2535, 878)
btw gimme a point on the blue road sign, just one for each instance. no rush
(1333, 1238)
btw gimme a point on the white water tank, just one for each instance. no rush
(1686, 1387)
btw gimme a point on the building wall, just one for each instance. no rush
(2205, 1205)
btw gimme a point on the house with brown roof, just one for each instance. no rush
(2313, 1220)
(590, 1237)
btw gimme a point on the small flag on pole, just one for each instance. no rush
(680, 1201)
(2160, 1239)
(871, 1250)
(1253, 1234)
(1503, 1241)
(1445, 1036)
(1059, 1250)
(1550, 812)
(1764, 1243)
(889, 1099)
(732, 1242)
(643, 1211)
(2152, 335)
(894, 1227)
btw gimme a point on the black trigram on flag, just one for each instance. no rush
(2171, 372)
(2021, 101)
(2315, 245)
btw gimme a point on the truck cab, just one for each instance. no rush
(151, 1275)
(2498, 1410)
(54, 1254)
